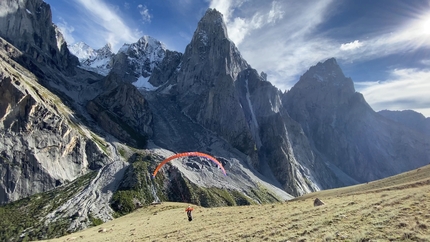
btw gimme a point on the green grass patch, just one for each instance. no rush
(95, 221)
(122, 152)
(100, 143)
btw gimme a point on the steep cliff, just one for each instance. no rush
(205, 83)
(123, 112)
(59, 122)
(40, 147)
(283, 148)
(349, 135)
(28, 26)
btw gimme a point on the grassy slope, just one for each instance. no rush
(396, 209)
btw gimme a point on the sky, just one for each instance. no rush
(383, 45)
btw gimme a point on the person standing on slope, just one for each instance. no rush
(188, 210)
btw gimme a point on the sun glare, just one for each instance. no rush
(426, 26)
(419, 30)
(423, 24)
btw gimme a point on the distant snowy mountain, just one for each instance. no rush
(135, 62)
(99, 61)
(82, 51)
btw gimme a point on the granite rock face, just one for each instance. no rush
(123, 112)
(28, 26)
(348, 134)
(206, 83)
(216, 88)
(40, 149)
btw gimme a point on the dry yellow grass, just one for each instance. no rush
(395, 210)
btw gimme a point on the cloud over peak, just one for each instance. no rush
(351, 45)
(144, 12)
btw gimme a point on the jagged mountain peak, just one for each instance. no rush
(212, 50)
(105, 52)
(81, 50)
(326, 75)
(148, 40)
(135, 62)
(98, 61)
(210, 28)
(145, 44)
(107, 48)
(327, 71)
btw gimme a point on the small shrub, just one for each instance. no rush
(95, 221)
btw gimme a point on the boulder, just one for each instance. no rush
(318, 202)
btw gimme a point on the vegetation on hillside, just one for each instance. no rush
(137, 188)
(23, 220)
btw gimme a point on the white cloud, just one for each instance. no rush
(113, 29)
(405, 89)
(7, 7)
(144, 12)
(238, 27)
(275, 13)
(225, 7)
(274, 38)
(351, 45)
(126, 5)
(67, 31)
(426, 62)
(281, 38)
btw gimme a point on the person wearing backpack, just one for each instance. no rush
(188, 210)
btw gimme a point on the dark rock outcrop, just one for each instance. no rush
(123, 112)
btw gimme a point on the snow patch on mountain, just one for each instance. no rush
(141, 59)
(143, 83)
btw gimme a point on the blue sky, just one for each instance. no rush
(383, 45)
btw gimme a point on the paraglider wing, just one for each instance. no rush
(188, 154)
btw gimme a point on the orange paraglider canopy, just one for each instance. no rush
(189, 154)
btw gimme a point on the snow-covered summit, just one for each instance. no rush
(146, 54)
(82, 51)
(135, 62)
(99, 61)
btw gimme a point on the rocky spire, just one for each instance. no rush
(210, 29)
(210, 53)
(205, 82)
